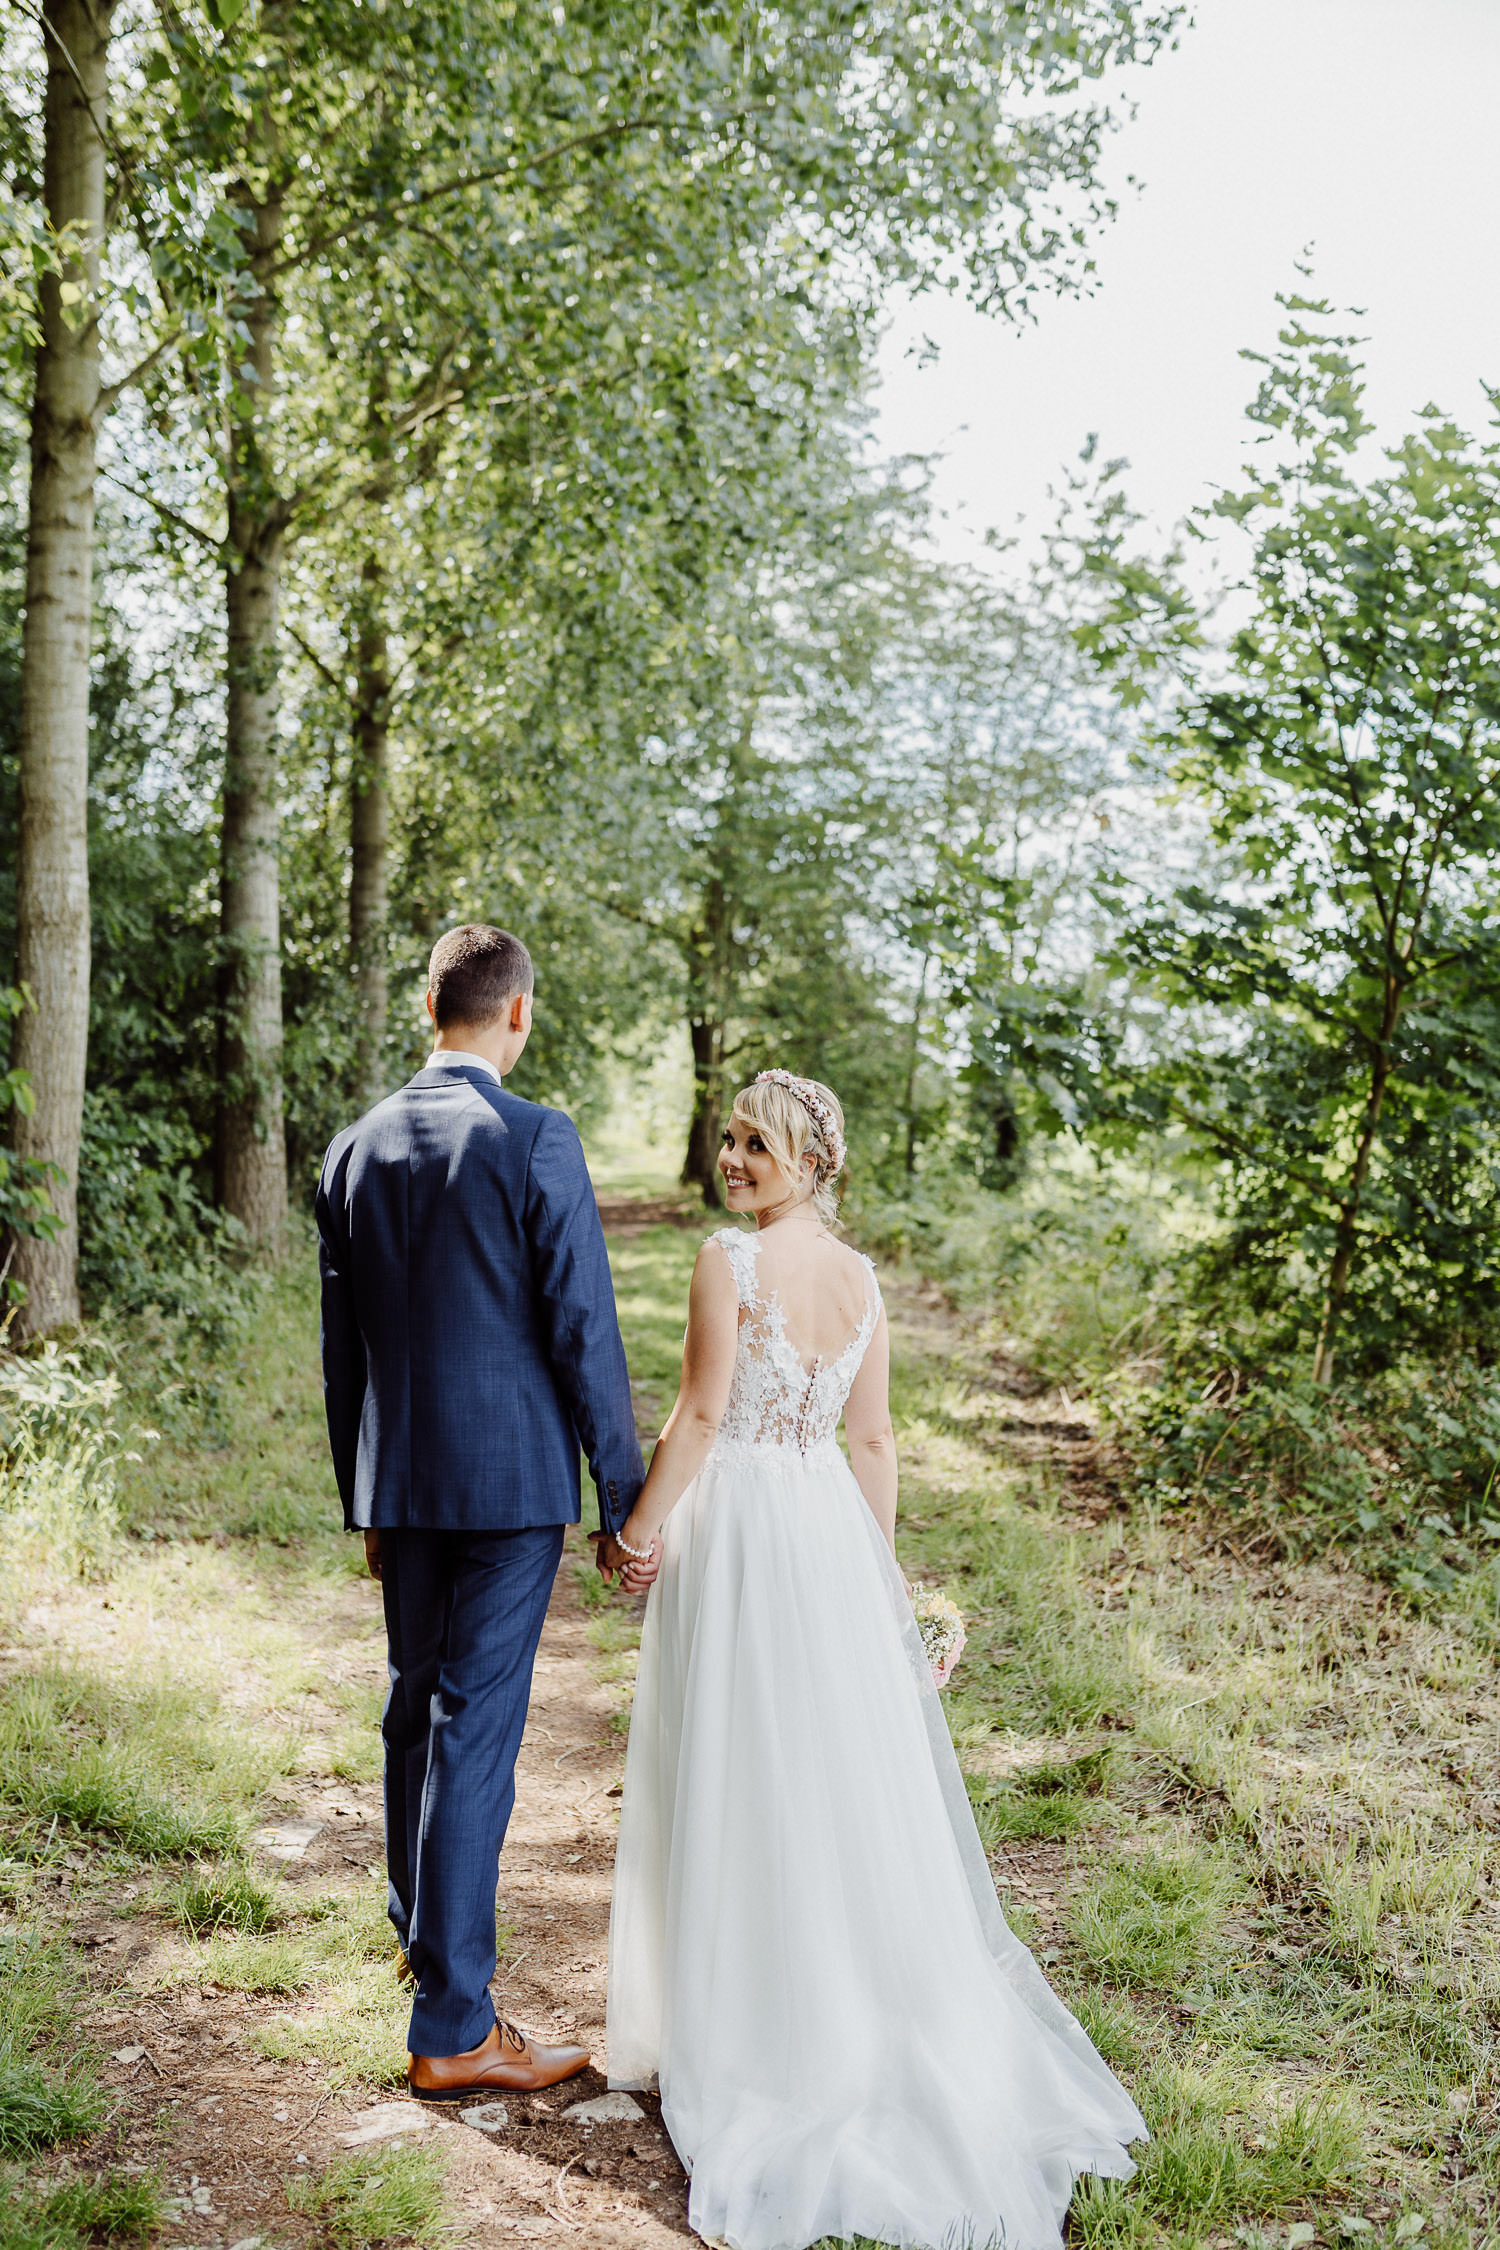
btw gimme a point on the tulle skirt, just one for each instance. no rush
(806, 1951)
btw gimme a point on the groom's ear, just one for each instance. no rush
(430, 1009)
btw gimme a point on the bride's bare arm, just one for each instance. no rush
(872, 1441)
(693, 1424)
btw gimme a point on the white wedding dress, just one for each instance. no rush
(806, 1951)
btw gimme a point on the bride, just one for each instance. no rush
(806, 1951)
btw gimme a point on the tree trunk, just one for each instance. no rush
(369, 777)
(913, 1060)
(52, 872)
(369, 831)
(709, 973)
(700, 1166)
(251, 1151)
(1345, 1235)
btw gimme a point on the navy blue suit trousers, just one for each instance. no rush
(463, 1613)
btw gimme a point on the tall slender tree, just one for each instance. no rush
(52, 882)
(251, 1145)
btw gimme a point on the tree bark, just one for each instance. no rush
(913, 1060)
(708, 967)
(369, 776)
(1346, 1233)
(700, 1165)
(251, 1141)
(369, 830)
(52, 875)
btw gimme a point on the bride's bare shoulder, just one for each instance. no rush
(851, 1262)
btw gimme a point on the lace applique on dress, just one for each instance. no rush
(776, 1397)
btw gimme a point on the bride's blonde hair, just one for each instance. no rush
(794, 1116)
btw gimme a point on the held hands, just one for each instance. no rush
(636, 1574)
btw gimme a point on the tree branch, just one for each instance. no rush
(394, 213)
(112, 391)
(340, 687)
(633, 914)
(216, 547)
(1231, 1140)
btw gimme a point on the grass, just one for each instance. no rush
(1155, 1918)
(1202, 2169)
(152, 1766)
(173, 1693)
(49, 2090)
(344, 1957)
(243, 1448)
(1048, 1799)
(120, 2207)
(651, 1271)
(358, 1753)
(389, 2195)
(228, 1896)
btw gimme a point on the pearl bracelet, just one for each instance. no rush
(636, 1554)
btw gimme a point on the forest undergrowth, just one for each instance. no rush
(1240, 1805)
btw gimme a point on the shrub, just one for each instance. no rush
(60, 1447)
(1402, 1464)
(147, 1234)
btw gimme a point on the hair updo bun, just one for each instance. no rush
(794, 1117)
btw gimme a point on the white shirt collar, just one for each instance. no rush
(441, 1055)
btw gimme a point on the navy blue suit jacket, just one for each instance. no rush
(470, 1344)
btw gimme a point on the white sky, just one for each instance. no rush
(1368, 129)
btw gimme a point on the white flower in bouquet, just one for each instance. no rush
(941, 1625)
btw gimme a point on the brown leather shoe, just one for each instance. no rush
(508, 2062)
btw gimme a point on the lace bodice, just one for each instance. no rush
(775, 1397)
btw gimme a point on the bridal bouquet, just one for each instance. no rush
(941, 1625)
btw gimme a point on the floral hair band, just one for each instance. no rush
(803, 1090)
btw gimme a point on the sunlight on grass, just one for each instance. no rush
(358, 1753)
(634, 1145)
(228, 1896)
(388, 2195)
(1202, 2168)
(1400, 1875)
(345, 1957)
(49, 2090)
(1050, 1799)
(1154, 1917)
(157, 1768)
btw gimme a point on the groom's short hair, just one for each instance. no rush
(473, 972)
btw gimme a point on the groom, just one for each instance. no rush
(470, 1347)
